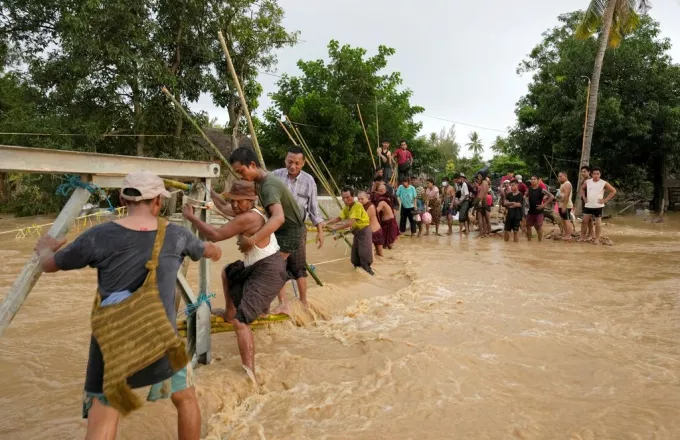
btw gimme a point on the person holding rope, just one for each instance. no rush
(250, 285)
(137, 258)
(286, 219)
(303, 187)
(354, 216)
(385, 160)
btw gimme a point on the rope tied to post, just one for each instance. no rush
(202, 299)
(73, 181)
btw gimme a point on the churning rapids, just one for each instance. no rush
(453, 339)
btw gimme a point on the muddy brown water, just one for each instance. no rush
(454, 338)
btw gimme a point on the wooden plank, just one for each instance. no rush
(32, 270)
(40, 160)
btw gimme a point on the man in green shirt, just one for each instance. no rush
(354, 216)
(286, 220)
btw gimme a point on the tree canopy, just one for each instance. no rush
(637, 136)
(323, 101)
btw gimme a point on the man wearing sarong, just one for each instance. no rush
(252, 284)
(286, 219)
(376, 230)
(303, 187)
(354, 216)
(120, 251)
(384, 206)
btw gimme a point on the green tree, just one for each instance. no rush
(615, 19)
(501, 145)
(503, 163)
(475, 144)
(638, 131)
(469, 165)
(323, 101)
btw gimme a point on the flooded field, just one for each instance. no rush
(454, 338)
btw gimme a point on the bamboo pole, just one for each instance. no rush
(377, 125)
(337, 188)
(242, 96)
(198, 128)
(289, 136)
(366, 134)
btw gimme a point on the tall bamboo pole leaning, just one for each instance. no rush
(242, 97)
(377, 126)
(366, 134)
(216, 150)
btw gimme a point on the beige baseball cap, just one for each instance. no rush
(147, 183)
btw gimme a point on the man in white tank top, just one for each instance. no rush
(252, 284)
(593, 192)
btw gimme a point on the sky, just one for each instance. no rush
(459, 58)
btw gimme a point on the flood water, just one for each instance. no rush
(455, 338)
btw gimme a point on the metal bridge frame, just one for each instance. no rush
(108, 171)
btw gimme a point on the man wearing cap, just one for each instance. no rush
(303, 187)
(120, 251)
(286, 219)
(252, 284)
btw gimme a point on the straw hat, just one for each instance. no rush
(241, 190)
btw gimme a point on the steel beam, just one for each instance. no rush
(39, 160)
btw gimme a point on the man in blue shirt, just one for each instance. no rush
(407, 196)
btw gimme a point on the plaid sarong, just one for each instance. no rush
(289, 238)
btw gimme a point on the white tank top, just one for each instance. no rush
(256, 253)
(595, 193)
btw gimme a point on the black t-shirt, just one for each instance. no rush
(119, 255)
(535, 199)
(514, 198)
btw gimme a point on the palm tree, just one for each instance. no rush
(475, 144)
(615, 19)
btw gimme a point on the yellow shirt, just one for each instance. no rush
(356, 212)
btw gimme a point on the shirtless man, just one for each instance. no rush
(449, 207)
(385, 213)
(565, 205)
(483, 210)
(378, 237)
(252, 284)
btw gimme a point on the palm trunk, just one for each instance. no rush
(594, 89)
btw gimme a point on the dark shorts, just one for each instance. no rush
(512, 223)
(534, 220)
(289, 238)
(296, 263)
(463, 210)
(595, 212)
(565, 214)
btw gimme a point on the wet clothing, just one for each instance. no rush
(271, 191)
(257, 253)
(179, 381)
(378, 237)
(120, 254)
(403, 157)
(407, 214)
(535, 220)
(390, 231)
(463, 211)
(362, 248)
(253, 288)
(358, 213)
(296, 263)
(535, 196)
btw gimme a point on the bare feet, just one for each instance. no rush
(282, 309)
